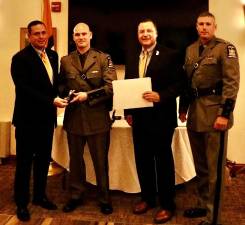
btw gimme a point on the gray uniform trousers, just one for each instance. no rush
(209, 153)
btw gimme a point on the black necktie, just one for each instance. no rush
(82, 58)
(201, 48)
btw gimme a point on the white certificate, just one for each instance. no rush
(128, 93)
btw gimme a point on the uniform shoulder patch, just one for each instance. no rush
(231, 51)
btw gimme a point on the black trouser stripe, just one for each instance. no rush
(219, 178)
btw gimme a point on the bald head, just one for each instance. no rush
(82, 37)
(81, 26)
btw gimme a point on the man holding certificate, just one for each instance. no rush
(153, 127)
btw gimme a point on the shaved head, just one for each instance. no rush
(81, 26)
(82, 37)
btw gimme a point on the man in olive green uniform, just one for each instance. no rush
(212, 69)
(87, 74)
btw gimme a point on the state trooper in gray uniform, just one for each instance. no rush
(212, 69)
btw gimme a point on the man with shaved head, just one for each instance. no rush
(86, 76)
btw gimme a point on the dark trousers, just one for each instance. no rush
(155, 165)
(33, 150)
(98, 146)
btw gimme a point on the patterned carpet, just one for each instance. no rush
(89, 214)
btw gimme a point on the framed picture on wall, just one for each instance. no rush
(24, 37)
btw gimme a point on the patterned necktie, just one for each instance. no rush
(47, 65)
(143, 64)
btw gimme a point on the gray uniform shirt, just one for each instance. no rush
(219, 63)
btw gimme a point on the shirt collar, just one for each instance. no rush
(210, 42)
(85, 53)
(39, 51)
(149, 50)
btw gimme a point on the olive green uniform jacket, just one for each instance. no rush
(92, 116)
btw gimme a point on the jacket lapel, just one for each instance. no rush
(154, 60)
(89, 60)
(195, 52)
(210, 46)
(51, 59)
(206, 50)
(38, 63)
(75, 61)
(154, 57)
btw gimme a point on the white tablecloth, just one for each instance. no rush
(122, 170)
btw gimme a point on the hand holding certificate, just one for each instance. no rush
(129, 93)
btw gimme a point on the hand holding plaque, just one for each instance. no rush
(70, 96)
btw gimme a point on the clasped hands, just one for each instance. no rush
(78, 97)
(72, 97)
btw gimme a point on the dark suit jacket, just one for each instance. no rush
(91, 116)
(165, 70)
(34, 91)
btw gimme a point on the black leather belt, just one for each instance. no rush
(199, 92)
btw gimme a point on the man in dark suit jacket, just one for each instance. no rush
(88, 72)
(34, 117)
(153, 127)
